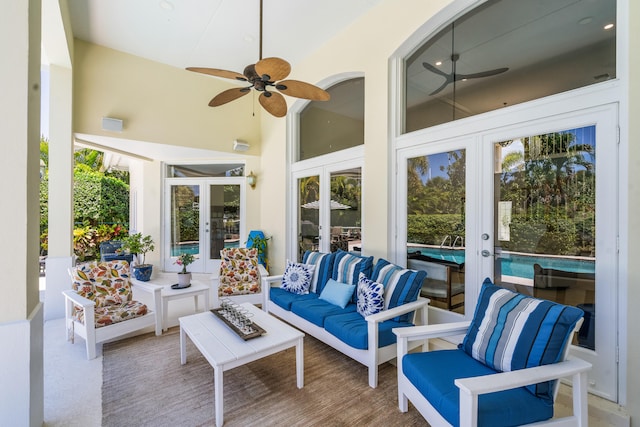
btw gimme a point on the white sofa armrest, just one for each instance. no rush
(383, 315)
(78, 299)
(471, 388)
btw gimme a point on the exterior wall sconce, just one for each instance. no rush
(252, 179)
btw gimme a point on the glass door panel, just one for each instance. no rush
(436, 194)
(308, 214)
(224, 218)
(345, 207)
(185, 221)
(545, 219)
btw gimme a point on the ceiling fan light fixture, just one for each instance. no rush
(263, 76)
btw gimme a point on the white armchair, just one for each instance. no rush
(472, 386)
(100, 306)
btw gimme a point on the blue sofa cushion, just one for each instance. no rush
(433, 374)
(285, 298)
(324, 268)
(369, 297)
(400, 285)
(511, 331)
(297, 277)
(317, 310)
(347, 267)
(337, 293)
(351, 328)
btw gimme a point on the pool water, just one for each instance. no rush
(514, 264)
(194, 248)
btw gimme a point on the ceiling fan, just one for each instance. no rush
(454, 77)
(264, 76)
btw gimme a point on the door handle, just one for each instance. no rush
(485, 253)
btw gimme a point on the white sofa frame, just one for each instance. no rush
(471, 388)
(93, 335)
(370, 358)
(255, 299)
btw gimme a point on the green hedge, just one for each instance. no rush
(432, 229)
(98, 199)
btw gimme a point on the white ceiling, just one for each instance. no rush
(221, 34)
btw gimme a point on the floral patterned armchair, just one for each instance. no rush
(103, 293)
(239, 277)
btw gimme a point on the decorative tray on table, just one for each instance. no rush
(245, 332)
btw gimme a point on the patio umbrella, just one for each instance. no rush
(334, 205)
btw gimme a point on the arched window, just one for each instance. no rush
(330, 126)
(506, 52)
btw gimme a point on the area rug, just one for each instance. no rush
(145, 385)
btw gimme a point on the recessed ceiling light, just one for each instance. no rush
(439, 63)
(166, 5)
(608, 26)
(585, 21)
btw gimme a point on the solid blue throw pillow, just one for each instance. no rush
(337, 293)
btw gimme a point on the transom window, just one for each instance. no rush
(506, 52)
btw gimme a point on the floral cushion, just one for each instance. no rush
(239, 274)
(105, 283)
(297, 277)
(108, 285)
(111, 314)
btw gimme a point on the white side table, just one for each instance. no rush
(198, 290)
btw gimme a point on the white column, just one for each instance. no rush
(21, 359)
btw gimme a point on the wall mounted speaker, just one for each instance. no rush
(239, 145)
(111, 124)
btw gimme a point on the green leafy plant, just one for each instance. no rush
(184, 260)
(260, 243)
(139, 245)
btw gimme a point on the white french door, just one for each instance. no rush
(327, 207)
(533, 207)
(202, 216)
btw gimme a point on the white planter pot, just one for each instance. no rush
(184, 279)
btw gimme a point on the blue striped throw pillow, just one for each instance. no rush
(347, 267)
(401, 285)
(511, 331)
(324, 269)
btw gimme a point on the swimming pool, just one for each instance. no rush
(519, 265)
(194, 248)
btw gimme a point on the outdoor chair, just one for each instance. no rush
(100, 306)
(240, 276)
(505, 372)
(439, 285)
(109, 252)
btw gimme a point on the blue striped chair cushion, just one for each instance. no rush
(511, 331)
(323, 271)
(400, 285)
(347, 267)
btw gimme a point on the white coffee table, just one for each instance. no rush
(225, 350)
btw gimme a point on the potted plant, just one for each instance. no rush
(258, 241)
(184, 277)
(139, 245)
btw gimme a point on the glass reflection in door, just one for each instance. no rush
(346, 214)
(185, 220)
(436, 226)
(545, 219)
(224, 218)
(308, 214)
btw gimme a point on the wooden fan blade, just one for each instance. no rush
(275, 68)
(218, 73)
(228, 96)
(274, 103)
(302, 90)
